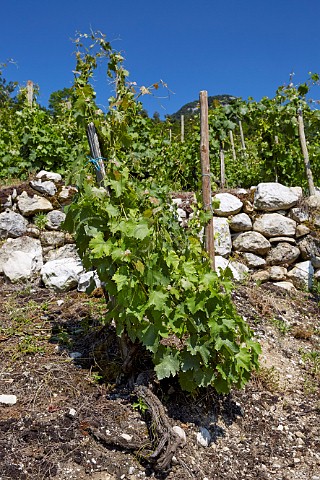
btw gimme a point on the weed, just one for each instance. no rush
(140, 405)
(281, 325)
(311, 360)
(28, 346)
(302, 333)
(61, 336)
(96, 377)
(24, 292)
(40, 220)
(267, 378)
(309, 387)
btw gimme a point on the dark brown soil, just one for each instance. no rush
(74, 417)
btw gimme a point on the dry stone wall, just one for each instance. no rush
(269, 232)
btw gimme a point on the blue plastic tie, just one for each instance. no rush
(95, 162)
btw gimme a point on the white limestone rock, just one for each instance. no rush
(61, 275)
(299, 215)
(181, 434)
(278, 273)
(67, 193)
(222, 236)
(229, 204)
(240, 222)
(203, 437)
(248, 207)
(52, 239)
(29, 206)
(44, 175)
(8, 399)
(12, 224)
(285, 285)
(31, 258)
(67, 251)
(261, 276)
(54, 219)
(283, 254)
(290, 240)
(270, 197)
(275, 225)
(252, 242)
(88, 280)
(313, 202)
(253, 261)
(302, 275)
(302, 230)
(309, 247)
(46, 187)
(239, 270)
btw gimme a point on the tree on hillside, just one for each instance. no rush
(6, 88)
(59, 98)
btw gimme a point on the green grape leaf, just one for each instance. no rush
(168, 366)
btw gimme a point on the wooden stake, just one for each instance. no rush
(222, 167)
(30, 92)
(206, 176)
(242, 136)
(276, 141)
(96, 153)
(303, 143)
(182, 128)
(234, 156)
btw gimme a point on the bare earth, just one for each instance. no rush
(74, 417)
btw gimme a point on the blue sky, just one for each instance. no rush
(243, 48)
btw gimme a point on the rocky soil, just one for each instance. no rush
(75, 416)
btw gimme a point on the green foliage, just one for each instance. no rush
(60, 100)
(31, 139)
(166, 296)
(40, 220)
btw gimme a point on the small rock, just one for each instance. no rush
(67, 193)
(302, 275)
(29, 206)
(252, 242)
(262, 276)
(203, 437)
(274, 196)
(273, 240)
(88, 280)
(222, 237)
(47, 187)
(12, 224)
(278, 273)
(302, 230)
(240, 222)
(253, 261)
(55, 219)
(72, 412)
(229, 204)
(288, 286)
(44, 175)
(275, 225)
(8, 399)
(75, 355)
(181, 433)
(126, 437)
